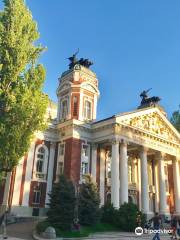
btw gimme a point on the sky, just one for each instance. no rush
(134, 44)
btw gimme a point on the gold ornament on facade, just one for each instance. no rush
(153, 124)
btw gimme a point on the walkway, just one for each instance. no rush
(24, 231)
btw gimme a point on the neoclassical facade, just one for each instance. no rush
(133, 156)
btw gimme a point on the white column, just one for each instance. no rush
(176, 174)
(28, 176)
(50, 170)
(144, 181)
(6, 190)
(123, 173)
(102, 176)
(93, 161)
(139, 182)
(17, 183)
(115, 174)
(156, 180)
(162, 184)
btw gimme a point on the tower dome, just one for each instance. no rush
(78, 92)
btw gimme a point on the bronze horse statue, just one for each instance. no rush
(148, 101)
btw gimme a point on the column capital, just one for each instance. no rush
(144, 149)
(123, 142)
(160, 155)
(114, 141)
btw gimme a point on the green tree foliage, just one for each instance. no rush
(89, 212)
(175, 119)
(128, 215)
(22, 103)
(109, 214)
(126, 218)
(62, 204)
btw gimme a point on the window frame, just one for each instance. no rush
(35, 192)
(87, 111)
(64, 113)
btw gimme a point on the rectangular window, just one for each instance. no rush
(85, 150)
(87, 110)
(36, 196)
(39, 167)
(61, 149)
(84, 168)
(64, 109)
(75, 106)
(61, 168)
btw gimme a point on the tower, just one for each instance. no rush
(78, 92)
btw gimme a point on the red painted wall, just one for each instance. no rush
(72, 159)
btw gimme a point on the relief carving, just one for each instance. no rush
(153, 124)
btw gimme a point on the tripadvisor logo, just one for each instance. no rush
(138, 231)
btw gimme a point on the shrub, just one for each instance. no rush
(109, 214)
(127, 217)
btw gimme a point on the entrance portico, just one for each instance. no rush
(144, 162)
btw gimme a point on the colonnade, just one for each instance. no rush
(119, 177)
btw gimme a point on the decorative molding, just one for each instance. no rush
(152, 123)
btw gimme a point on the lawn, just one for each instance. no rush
(84, 231)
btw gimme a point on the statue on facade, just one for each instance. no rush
(73, 59)
(82, 61)
(148, 101)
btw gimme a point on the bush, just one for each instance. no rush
(124, 219)
(128, 217)
(109, 214)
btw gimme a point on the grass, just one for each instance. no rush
(84, 231)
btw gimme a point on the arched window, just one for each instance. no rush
(64, 109)
(75, 106)
(87, 109)
(40, 160)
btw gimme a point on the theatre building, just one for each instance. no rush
(132, 156)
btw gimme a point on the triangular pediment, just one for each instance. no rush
(152, 121)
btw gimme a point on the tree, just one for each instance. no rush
(89, 212)
(175, 119)
(22, 103)
(62, 204)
